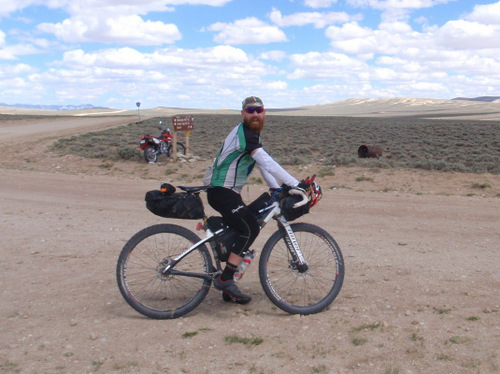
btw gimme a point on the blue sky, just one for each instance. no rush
(213, 53)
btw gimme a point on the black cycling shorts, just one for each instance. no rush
(236, 215)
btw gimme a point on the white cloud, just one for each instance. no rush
(115, 8)
(398, 57)
(274, 55)
(437, 54)
(428, 87)
(396, 9)
(198, 2)
(110, 21)
(319, 3)
(319, 20)
(276, 85)
(27, 45)
(14, 82)
(131, 30)
(400, 61)
(118, 7)
(110, 58)
(477, 30)
(321, 66)
(13, 52)
(353, 38)
(462, 34)
(246, 31)
(170, 76)
(10, 6)
(205, 59)
(397, 4)
(18, 69)
(487, 14)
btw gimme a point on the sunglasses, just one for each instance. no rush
(251, 110)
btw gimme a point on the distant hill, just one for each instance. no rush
(472, 109)
(485, 99)
(52, 107)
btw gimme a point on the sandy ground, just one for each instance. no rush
(421, 292)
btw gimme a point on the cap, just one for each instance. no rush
(252, 101)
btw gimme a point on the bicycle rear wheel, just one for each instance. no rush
(146, 289)
(302, 292)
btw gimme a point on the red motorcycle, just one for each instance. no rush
(154, 146)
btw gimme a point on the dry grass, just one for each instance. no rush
(409, 143)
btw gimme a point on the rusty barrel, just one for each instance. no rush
(369, 151)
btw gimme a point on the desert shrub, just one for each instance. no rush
(493, 168)
(481, 185)
(95, 154)
(442, 145)
(325, 171)
(129, 153)
(342, 160)
(295, 160)
(381, 163)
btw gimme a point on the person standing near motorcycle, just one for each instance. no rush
(242, 149)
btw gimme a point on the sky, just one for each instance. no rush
(213, 53)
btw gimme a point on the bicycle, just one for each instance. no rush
(165, 271)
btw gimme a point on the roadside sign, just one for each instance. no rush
(183, 123)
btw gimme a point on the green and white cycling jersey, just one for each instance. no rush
(241, 150)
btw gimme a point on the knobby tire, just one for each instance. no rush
(150, 154)
(308, 292)
(139, 275)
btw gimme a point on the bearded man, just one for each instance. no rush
(241, 151)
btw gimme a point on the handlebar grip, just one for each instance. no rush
(305, 198)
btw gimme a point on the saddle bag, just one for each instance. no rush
(175, 205)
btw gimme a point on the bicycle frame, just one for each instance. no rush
(169, 268)
(270, 211)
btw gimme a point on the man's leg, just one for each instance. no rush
(237, 215)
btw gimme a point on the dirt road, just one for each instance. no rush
(421, 293)
(29, 130)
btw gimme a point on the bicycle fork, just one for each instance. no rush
(298, 261)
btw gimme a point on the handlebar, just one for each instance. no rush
(300, 192)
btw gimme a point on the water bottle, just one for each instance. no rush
(244, 264)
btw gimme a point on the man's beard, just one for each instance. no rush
(255, 126)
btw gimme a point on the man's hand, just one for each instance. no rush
(304, 186)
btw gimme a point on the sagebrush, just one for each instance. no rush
(446, 145)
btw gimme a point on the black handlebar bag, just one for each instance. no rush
(289, 212)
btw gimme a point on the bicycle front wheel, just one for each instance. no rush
(297, 290)
(140, 278)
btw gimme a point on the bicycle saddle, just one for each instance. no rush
(194, 189)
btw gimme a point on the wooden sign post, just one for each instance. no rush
(185, 124)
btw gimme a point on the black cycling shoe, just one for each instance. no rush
(231, 291)
(229, 299)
